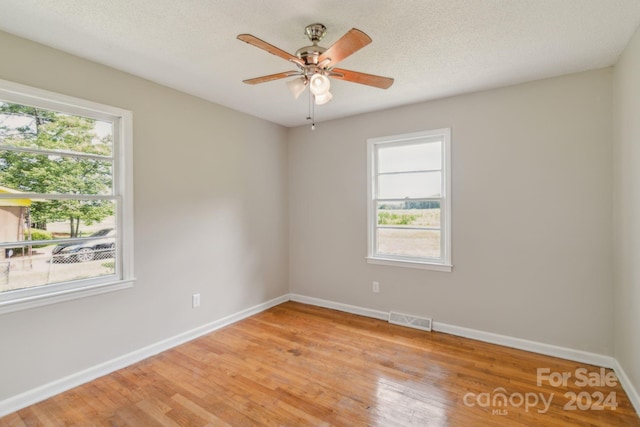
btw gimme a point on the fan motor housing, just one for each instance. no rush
(310, 54)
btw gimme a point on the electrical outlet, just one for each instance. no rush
(376, 287)
(195, 300)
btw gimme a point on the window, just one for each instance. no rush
(66, 222)
(409, 200)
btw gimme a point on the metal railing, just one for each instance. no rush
(43, 268)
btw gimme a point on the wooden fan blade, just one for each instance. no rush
(362, 78)
(350, 43)
(254, 41)
(271, 77)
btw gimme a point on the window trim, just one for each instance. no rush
(408, 261)
(20, 299)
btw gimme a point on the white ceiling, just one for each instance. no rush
(433, 48)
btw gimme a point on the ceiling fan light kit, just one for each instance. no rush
(316, 64)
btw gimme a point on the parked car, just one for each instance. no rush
(88, 250)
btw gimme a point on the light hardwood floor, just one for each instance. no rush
(300, 365)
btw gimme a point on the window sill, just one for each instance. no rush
(410, 264)
(38, 300)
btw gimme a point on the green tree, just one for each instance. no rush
(32, 128)
(425, 204)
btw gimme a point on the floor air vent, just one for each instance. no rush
(410, 321)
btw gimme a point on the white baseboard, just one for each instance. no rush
(527, 345)
(46, 391)
(507, 341)
(382, 315)
(521, 344)
(628, 387)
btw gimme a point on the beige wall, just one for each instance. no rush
(533, 172)
(210, 217)
(626, 166)
(532, 213)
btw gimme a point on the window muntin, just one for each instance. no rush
(409, 201)
(64, 165)
(70, 173)
(410, 185)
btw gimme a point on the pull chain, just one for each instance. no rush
(311, 115)
(312, 112)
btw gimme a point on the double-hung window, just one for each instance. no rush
(409, 200)
(66, 218)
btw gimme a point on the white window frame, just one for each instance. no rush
(440, 264)
(122, 120)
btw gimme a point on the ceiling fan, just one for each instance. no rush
(316, 63)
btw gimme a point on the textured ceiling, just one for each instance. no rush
(433, 48)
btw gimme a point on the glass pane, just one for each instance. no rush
(413, 157)
(410, 214)
(411, 185)
(52, 174)
(29, 127)
(414, 243)
(23, 265)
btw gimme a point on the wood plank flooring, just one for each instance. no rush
(300, 365)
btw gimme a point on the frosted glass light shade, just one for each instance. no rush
(296, 86)
(323, 99)
(319, 84)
